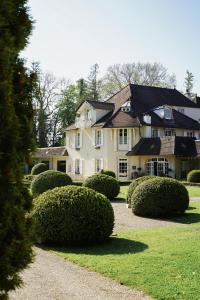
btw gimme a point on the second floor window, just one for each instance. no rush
(78, 140)
(170, 132)
(123, 137)
(98, 138)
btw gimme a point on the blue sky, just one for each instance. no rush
(71, 35)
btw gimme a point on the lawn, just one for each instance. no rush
(163, 262)
(194, 191)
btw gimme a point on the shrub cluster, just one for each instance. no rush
(39, 168)
(72, 215)
(133, 186)
(109, 173)
(159, 197)
(49, 180)
(103, 184)
(194, 176)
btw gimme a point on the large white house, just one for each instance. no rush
(139, 130)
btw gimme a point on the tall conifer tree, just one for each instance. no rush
(16, 115)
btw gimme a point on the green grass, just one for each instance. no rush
(163, 262)
(194, 191)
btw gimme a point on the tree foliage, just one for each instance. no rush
(119, 75)
(189, 82)
(16, 142)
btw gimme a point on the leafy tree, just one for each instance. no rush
(16, 142)
(82, 90)
(119, 75)
(189, 82)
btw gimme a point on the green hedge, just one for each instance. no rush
(72, 215)
(39, 168)
(194, 176)
(48, 180)
(159, 197)
(190, 183)
(103, 184)
(133, 186)
(109, 173)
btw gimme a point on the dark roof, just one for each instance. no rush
(50, 151)
(101, 105)
(175, 145)
(145, 98)
(179, 120)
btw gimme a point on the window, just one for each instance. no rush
(98, 138)
(123, 167)
(88, 115)
(157, 166)
(123, 137)
(154, 132)
(77, 166)
(168, 113)
(170, 132)
(190, 133)
(78, 140)
(99, 165)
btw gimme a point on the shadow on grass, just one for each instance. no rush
(112, 246)
(187, 218)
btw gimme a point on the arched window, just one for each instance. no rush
(157, 166)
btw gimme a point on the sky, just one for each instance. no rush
(70, 36)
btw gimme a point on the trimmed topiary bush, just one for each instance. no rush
(193, 176)
(109, 173)
(39, 168)
(72, 215)
(48, 180)
(133, 186)
(103, 184)
(159, 197)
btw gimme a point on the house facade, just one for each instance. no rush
(140, 130)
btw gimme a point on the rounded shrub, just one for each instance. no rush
(72, 215)
(193, 176)
(103, 184)
(109, 173)
(133, 186)
(159, 197)
(48, 180)
(39, 168)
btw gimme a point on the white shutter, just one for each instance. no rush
(81, 138)
(102, 137)
(93, 137)
(102, 166)
(81, 166)
(93, 166)
(74, 140)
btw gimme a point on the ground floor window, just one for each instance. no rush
(77, 166)
(61, 165)
(99, 165)
(157, 166)
(123, 167)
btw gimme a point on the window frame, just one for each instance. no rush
(123, 136)
(77, 166)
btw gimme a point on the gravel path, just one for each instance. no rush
(125, 219)
(51, 277)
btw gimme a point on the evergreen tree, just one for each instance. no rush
(16, 142)
(82, 90)
(189, 82)
(94, 83)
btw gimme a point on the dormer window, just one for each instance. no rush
(126, 107)
(167, 113)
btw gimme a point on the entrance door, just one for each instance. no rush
(123, 168)
(61, 165)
